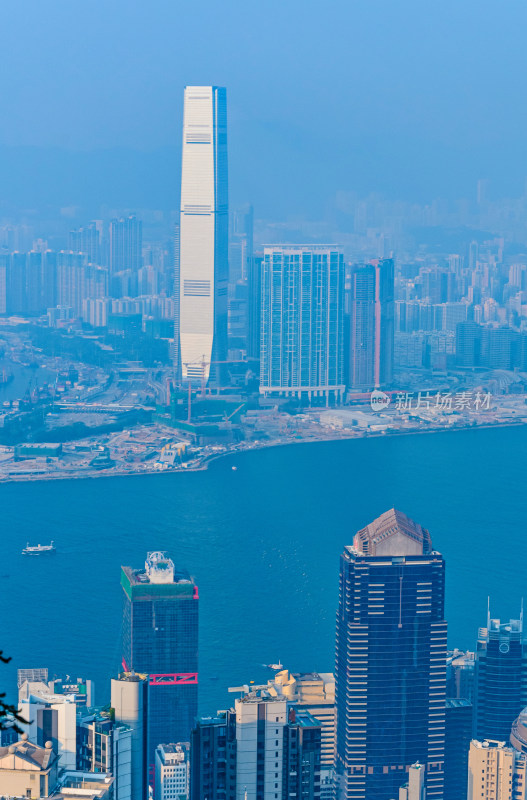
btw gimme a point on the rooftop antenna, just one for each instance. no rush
(488, 613)
(521, 617)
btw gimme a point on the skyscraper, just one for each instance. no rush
(160, 638)
(126, 244)
(500, 679)
(213, 757)
(204, 227)
(302, 323)
(372, 309)
(88, 240)
(390, 672)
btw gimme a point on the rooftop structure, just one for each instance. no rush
(159, 572)
(393, 534)
(84, 786)
(35, 674)
(27, 770)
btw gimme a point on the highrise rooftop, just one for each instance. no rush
(159, 577)
(393, 534)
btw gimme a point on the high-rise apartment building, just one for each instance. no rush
(302, 322)
(204, 227)
(496, 772)
(172, 772)
(390, 671)
(213, 757)
(88, 240)
(313, 692)
(125, 244)
(371, 338)
(277, 749)
(500, 678)
(160, 638)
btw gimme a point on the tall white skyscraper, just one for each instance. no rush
(203, 261)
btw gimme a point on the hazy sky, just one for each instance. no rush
(412, 98)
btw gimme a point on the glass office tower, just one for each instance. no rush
(160, 638)
(500, 679)
(390, 672)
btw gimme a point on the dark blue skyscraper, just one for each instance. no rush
(160, 638)
(390, 672)
(501, 678)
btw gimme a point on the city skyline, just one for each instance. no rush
(224, 233)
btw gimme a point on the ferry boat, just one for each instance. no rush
(39, 549)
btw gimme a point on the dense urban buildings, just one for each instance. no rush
(390, 668)
(266, 747)
(203, 259)
(302, 323)
(160, 638)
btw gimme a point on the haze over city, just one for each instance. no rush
(263, 400)
(415, 100)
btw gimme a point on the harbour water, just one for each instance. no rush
(263, 542)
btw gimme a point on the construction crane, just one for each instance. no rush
(204, 363)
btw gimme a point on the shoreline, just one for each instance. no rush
(204, 463)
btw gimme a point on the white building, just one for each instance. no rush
(95, 311)
(172, 771)
(313, 692)
(50, 717)
(129, 701)
(415, 788)
(203, 258)
(251, 711)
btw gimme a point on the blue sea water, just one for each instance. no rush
(263, 543)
